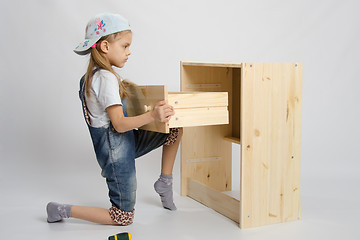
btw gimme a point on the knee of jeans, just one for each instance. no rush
(129, 184)
(128, 193)
(122, 192)
(128, 202)
(125, 201)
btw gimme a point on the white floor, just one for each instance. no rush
(330, 206)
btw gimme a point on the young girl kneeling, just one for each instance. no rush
(116, 139)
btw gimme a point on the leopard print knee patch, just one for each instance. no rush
(174, 132)
(121, 217)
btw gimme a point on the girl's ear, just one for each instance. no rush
(104, 46)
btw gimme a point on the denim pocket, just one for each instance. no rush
(115, 138)
(121, 140)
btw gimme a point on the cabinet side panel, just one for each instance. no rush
(205, 155)
(293, 127)
(270, 137)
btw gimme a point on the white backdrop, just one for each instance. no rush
(40, 110)
(41, 124)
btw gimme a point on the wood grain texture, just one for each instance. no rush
(200, 116)
(191, 108)
(198, 99)
(270, 137)
(225, 64)
(206, 142)
(141, 96)
(220, 202)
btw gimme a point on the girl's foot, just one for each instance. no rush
(163, 186)
(56, 212)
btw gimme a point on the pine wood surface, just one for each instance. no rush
(191, 108)
(270, 143)
(265, 119)
(206, 142)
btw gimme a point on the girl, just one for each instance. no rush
(116, 139)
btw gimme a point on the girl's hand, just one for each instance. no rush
(162, 112)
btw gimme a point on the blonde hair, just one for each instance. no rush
(99, 61)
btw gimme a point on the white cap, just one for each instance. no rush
(101, 25)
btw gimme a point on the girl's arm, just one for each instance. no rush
(162, 112)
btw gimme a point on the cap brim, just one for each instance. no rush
(83, 48)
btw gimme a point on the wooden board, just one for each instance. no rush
(198, 108)
(195, 117)
(141, 96)
(191, 108)
(233, 140)
(226, 64)
(220, 202)
(205, 155)
(198, 99)
(235, 110)
(270, 143)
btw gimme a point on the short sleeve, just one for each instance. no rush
(107, 90)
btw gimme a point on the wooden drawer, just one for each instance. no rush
(191, 108)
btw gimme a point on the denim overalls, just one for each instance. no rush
(116, 153)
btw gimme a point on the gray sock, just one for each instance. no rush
(163, 186)
(56, 211)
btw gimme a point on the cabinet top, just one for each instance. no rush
(212, 64)
(228, 64)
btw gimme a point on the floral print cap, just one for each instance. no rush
(99, 26)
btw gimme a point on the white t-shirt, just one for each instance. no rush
(104, 92)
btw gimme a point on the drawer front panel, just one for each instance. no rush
(198, 99)
(191, 108)
(191, 117)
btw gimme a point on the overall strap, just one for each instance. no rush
(82, 84)
(81, 96)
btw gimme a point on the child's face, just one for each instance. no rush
(119, 50)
